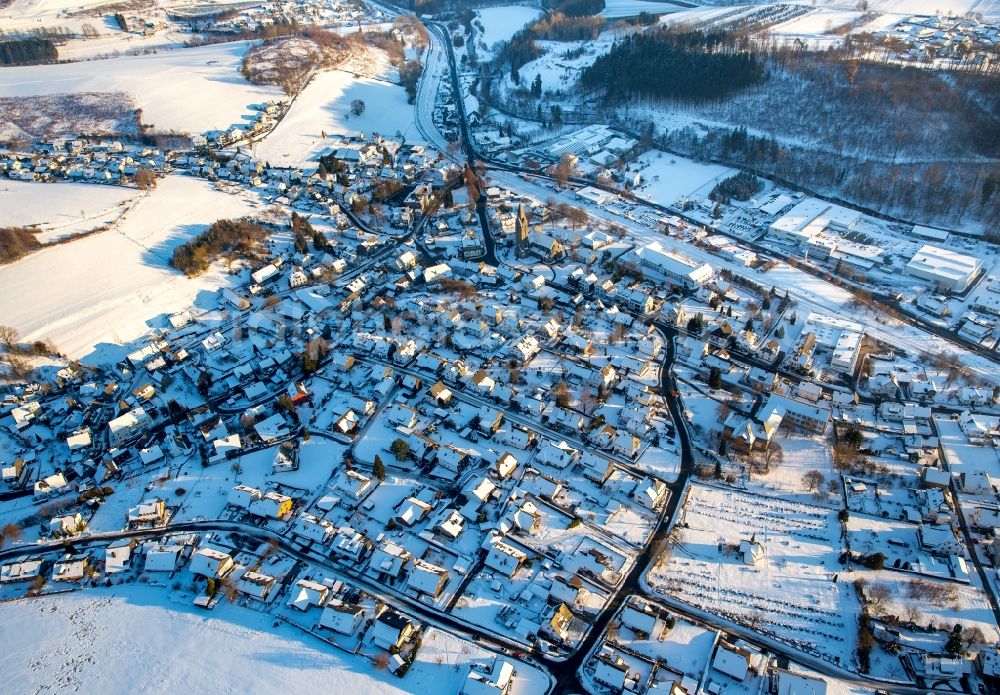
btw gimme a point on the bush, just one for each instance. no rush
(16, 242)
(875, 561)
(400, 449)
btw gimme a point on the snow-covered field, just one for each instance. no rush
(698, 15)
(802, 454)
(63, 208)
(501, 23)
(325, 106)
(629, 8)
(666, 178)
(121, 43)
(817, 22)
(190, 90)
(135, 639)
(107, 289)
(815, 28)
(558, 72)
(926, 7)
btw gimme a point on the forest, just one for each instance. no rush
(668, 64)
(238, 237)
(31, 51)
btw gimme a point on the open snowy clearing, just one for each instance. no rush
(61, 209)
(325, 106)
(667, 178)
(190, 90)
(75, 641)
(110, 287)
(501, 23)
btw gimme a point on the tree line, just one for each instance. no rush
(31, 51)
(576, 8)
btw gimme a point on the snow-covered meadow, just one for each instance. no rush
(629, 8)
(666, 178)
(324, 106)
(190, 90)
(61, 209)
(107, 289)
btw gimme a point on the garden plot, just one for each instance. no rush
(609, 506)
(961, 456)
(890, 499)
(685, 647)
(929, 604)
(576, 545)
(662, 461)
(789, 595)
(318, 459)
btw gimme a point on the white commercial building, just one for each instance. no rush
(951, 270)
(809, 218)
(678, 269)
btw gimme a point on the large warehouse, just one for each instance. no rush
(951, 270)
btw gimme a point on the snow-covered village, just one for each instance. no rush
(472, 347)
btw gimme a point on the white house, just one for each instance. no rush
(125, 427)
(307, 593)
(505, 559)
(211, 563)
(343, 618)
(118, 555)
